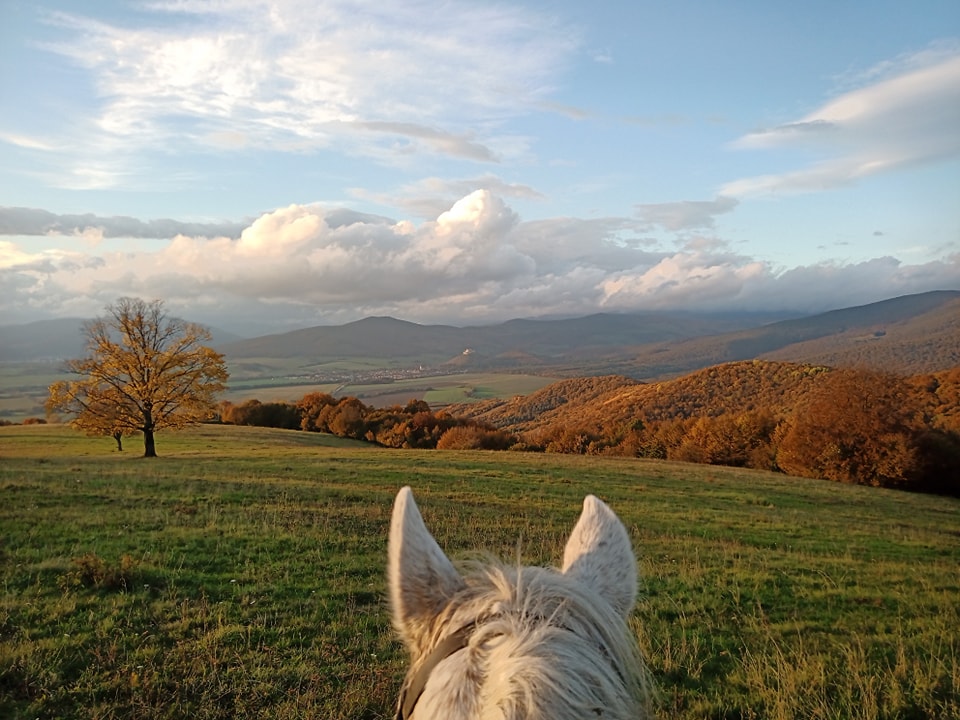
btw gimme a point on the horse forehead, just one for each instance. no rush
(524, 622)
(446, 695)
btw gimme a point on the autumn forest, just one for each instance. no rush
(848, 425)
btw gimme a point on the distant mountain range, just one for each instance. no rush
(51, 340)
(514, 343)
(909, 334)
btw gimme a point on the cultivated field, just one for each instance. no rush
(23, 386)
(436, 390)
(240, 575)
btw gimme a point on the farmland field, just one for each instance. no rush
(23, 386)
(437, 390)
(240, 575)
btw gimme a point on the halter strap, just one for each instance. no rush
(414, 689)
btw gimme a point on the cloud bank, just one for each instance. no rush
(478, 261)
(30, 221)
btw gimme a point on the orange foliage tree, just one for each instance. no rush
(143, 372)
(858, 426)
(315, 411)
(262, 414)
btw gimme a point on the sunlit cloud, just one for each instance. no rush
(428, 197)
(477, 261)
(24, 141)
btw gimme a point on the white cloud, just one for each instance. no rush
(436, 140)
(299, 75)
(23, 141)
(428, 197)
(904, 119)
(32, 221)
(685, 279)
(478, 261)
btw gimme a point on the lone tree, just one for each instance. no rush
(143, 372)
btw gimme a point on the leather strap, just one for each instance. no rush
(414, 689)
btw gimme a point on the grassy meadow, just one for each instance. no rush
(241, 575)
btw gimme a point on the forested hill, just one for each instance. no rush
(923, 343)
(606, 404)
(611, 401)
(906, 335)
(849, 425)
(843, 424)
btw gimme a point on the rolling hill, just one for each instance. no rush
(515, 343)
(52, 340)
(612, 401)
(909, 334)
(608, 403)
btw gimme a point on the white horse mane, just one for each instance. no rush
(499, 642)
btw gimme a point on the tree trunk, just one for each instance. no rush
(149, 447)
(119, 438)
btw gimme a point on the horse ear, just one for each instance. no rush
(599, 555)
(421, 577)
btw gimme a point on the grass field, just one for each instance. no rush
(240, 575)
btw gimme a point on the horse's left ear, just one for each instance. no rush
(422, 579)
(599, 555)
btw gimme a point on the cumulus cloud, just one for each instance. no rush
(478, 261)
(901, 119)
(428, 197)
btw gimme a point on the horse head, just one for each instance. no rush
(491, 641)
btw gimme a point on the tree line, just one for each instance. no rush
(856, 426)
(413, 425)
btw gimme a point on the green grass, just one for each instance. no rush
(483, 386)
(282, 391)
(240, 575)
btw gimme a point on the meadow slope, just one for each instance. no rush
(240, 575)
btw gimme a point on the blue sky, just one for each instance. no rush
(269, 164)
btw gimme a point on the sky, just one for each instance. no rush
(264, 165)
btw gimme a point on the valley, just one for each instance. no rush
(385, 361)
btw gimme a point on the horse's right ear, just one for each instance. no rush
(422, 579)
(598, 554)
